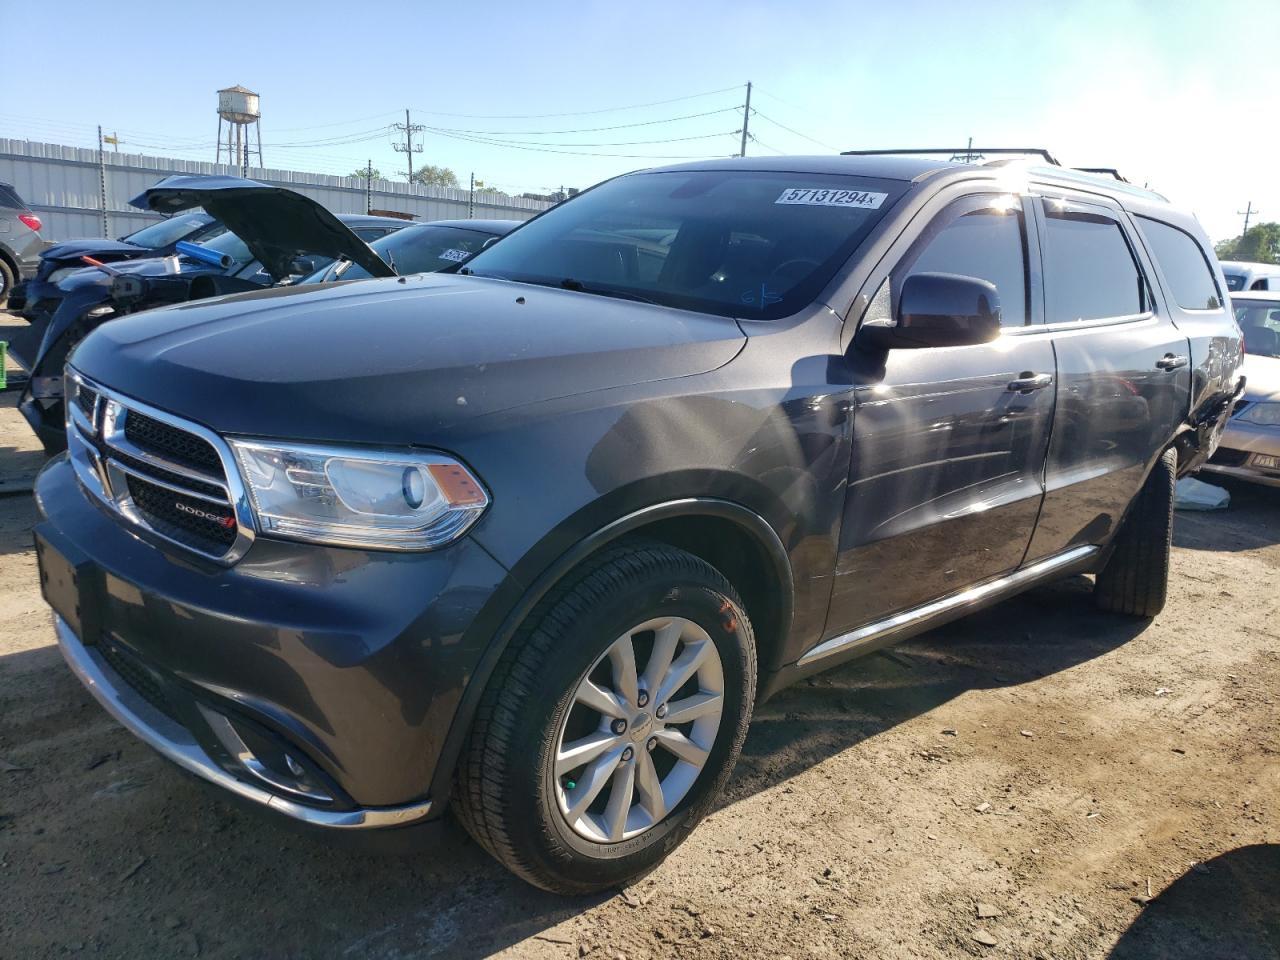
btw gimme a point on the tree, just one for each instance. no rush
(363, 173)
(433, 176)
(1260, 244)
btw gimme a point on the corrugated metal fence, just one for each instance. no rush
(62, 185)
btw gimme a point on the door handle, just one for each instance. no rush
(1171, 362)
(1030, 382)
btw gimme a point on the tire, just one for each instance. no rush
(510, 796)
(1135, 581)
(7, 280)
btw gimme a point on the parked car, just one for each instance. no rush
(423, 248)
(1250, 448)
(20, 242)
(38, 295)
(269, 236)
(1251, 276)
(531, 538)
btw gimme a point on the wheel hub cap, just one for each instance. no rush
(614, 786)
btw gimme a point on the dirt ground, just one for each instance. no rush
(1014, 785)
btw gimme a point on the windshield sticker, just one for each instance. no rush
(457, 256)
(824, 197)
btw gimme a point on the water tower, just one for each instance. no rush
(238, 106)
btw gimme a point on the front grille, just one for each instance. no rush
(155, 472)
(185, 519)
(177, 445)
(139, 677)
(86, 397)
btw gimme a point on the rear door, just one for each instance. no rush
(1123, 371)
(948, 443)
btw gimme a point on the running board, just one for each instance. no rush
(881, 632)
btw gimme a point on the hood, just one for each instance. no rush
(1262, 377)
(276, 224)
(392, 361)
(89, 247)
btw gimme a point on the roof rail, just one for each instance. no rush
(975, 153)
(1103, 171)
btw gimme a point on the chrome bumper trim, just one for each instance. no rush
(174, 742)
(882, 630)
(1250, 474)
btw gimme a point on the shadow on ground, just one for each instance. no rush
(1251, 521)
(1226, 909)
(164, 866)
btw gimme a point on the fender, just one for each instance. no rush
(442, 778)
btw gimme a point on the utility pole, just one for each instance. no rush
(368, 187)
(746, 115)
(102, 184)
(968, 156)
(409, 148)
(1247, 212)
(471, 198)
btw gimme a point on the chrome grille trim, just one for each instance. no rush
(91, 442)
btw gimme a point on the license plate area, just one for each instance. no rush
(70, 583)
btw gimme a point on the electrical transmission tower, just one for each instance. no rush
(408, 148)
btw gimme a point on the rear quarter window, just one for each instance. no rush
(10, 198)
(1184, 265)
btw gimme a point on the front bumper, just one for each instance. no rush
(176, 743)
(350, 662)
(1242, 444)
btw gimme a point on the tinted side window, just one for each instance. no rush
(1089, 271)
(1184, 265)
(8, 198)
(988, 243)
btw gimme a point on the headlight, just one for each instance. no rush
(359, 498)
(62, 272)
(1263, 414)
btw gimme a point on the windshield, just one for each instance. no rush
(757, 245)
(424, 248)
(169, 231)
(224, 241)
(1260, 322)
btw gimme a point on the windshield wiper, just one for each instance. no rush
(568, 283)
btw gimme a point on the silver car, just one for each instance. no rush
(1250, 447)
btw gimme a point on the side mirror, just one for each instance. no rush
(938, 310)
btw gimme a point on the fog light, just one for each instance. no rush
(260, 756)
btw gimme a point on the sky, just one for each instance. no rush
(535, 96)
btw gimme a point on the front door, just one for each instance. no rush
(1124, 378)
(948, 443)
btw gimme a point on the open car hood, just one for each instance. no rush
(276, 224)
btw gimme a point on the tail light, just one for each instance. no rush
(31, 220)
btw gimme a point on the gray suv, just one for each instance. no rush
(530, 539)
(20, 242)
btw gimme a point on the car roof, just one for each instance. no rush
(496, 227)
(1251, 266)
(1272, 296)
(368, 220)
(915, 168)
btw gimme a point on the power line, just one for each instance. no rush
(575, 113)
(755, 139)
(804, 136)
(619, 126)
(575, 153)
(444, 131)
